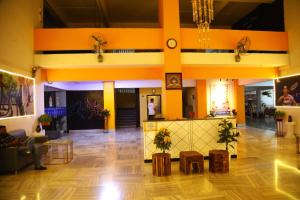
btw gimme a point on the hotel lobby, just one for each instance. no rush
(149, 99)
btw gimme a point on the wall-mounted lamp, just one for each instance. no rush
(34, 69)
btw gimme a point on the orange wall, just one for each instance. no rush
(227, 39)
(104, 74)
(201, 100)
(78, 38)
(156, 73)
(229, 72)
(152, 38)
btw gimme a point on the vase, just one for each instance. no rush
(105, 125)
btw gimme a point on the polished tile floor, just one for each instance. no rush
(110, 166)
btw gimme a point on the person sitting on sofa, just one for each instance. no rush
(26, 143)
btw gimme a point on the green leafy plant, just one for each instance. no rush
(105, 112)
(45, 119)
(162, 140)
(279, 114)
(228, 133)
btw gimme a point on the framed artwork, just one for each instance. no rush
(16, 95)
(287, 91)
(173, 81)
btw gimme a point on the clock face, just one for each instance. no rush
(172, 43)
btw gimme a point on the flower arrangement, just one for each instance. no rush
(162, 140)
(105, 112)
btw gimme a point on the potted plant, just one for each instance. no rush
(105, 113)
(161, 162)
(279, 115)
(234, 112)
(45, 120)
(162, 140)
(227, 133)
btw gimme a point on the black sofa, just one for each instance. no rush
(13, 159)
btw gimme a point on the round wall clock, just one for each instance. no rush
(172, 43)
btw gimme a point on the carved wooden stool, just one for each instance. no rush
(161, 164)
(190, 159)
(218, 161)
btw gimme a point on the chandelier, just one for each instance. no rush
(203, 15)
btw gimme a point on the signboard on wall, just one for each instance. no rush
(287, 91)
(16, 95)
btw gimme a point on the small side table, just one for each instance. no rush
(161, 164)
(60, 151)
(219, 161)
(190, 159)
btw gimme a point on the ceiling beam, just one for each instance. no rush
(53, 11)
(101, 5)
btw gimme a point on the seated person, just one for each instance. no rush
(26, 143)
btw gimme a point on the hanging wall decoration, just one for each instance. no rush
(16, 95)
(173, 81)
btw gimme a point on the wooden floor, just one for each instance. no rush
(110, 166)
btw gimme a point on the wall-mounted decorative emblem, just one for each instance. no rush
(173, 81)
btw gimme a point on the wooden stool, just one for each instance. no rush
(218, 161)
(161, 164)
(191, 158)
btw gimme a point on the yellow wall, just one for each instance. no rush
(292, 15)
(109, 102)
(18, 18)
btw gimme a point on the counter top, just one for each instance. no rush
(208, 118)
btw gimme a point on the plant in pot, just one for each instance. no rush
(227, 133)
(279, 115)
(105, 113)
(45, 120)
(161, 162)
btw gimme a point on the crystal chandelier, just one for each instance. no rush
(203, 15)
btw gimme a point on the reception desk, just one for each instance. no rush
(187, 135)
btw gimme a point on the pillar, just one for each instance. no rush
(170, 22)
(239, 102)
(109, 102)
(201, 99)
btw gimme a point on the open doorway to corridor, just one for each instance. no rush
(259, 105)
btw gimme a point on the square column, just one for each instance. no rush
(170, 22)
(109, 102)
(201, 99)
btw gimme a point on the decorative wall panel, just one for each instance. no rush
(186, 135)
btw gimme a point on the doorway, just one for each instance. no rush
(127, 108)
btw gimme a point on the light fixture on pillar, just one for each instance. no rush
(34, 69)
(97, 43)
(203, 15)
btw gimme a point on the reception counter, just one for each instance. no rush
(187, 135)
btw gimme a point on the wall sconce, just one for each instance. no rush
(34, 69)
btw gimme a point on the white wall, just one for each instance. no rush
(17, 21)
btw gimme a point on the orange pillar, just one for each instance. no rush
(239, 102)
(201, 99)
(170, 21)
